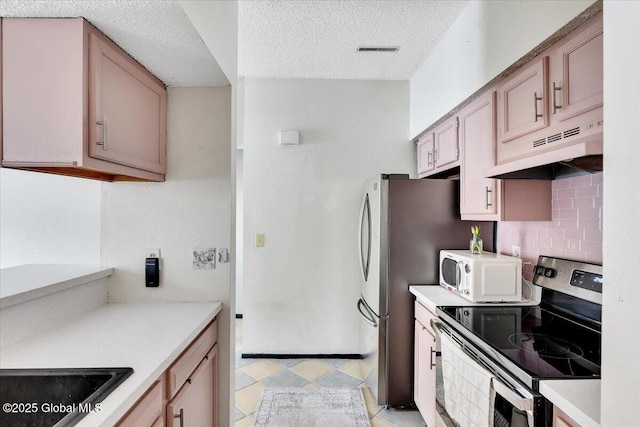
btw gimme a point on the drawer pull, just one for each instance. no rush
(536, 98)
(103, 123)
(555, 89)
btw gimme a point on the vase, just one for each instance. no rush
(475, 246)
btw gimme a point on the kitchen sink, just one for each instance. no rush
(54, 397)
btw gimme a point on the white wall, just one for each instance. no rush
(302, 286)
(217, 23)
(48, 219)
(621, 304)
(487, 38)
(191, 209)
(239, 233)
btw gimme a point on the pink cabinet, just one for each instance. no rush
(186, 394)
(560, 419)
(522, 102)
(148, 410)
(425, 158)
(446, 143)
(540, 114)
(578, 72)
(75, 104)
(487, 199)
(438, 151)
(425, 365)
(193, 406)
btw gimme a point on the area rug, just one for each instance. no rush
(311, 407)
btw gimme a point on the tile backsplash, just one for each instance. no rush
(575, 231)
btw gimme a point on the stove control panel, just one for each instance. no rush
(574, 278)
(587, 280)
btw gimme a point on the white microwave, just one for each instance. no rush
(481, 278)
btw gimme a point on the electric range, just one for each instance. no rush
(520, 345)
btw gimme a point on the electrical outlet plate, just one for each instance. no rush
(515, 251)
(153, 253)
(259, 240)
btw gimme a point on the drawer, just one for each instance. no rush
(184, 366)
(148, 410)
(424, 315)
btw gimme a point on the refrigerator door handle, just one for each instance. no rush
(368, 316)
(365, 215)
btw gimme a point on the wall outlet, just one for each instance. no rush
(515, 251)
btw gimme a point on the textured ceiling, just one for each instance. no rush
(318, 39)
(156, 33)
(278, 39)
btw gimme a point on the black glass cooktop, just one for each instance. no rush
(544, 343)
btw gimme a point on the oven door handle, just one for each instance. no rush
(512, 396)
(435, 325)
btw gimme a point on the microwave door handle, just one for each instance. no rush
(458, 274)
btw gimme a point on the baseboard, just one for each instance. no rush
(238, 315)
(299, 356)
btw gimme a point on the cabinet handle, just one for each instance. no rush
(103, 123)
(435, 156)
(486, 200)
(431, 362)
(429, 154)
(535, 105)
(180, 416)
(555, 89)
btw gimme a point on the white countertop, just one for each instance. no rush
(26, 282)
(579, 399)
(433, 296)
(144, 336)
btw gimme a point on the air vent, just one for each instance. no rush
(539, 142)
(554, 138)
(378, 48)
(572, 132)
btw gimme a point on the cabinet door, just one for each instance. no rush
(522, 102)
(577, 85)
(425, 154)
(149, 410)
(194, 405)
(425, 373)
(478, 195)
(446, 143)
(126, 109)
(560, 419)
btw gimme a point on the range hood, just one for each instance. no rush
(561, 162)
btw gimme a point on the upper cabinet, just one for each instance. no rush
(74, 103)
(487, 199)
(522, 102)
(554, 103)
(576, 85)
(438, 151)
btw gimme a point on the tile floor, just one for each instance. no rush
(252, 375)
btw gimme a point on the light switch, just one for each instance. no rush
(223, 255)
(259, 240)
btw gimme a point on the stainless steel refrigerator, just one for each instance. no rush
(404, 223)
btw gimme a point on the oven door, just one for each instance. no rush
(512, 404)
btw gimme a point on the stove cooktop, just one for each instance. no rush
(545, 344)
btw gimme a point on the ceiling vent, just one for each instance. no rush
(378, 48)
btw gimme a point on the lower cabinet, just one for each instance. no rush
(560, 419)
(194, 405)
(186, 394)
(424, 392)
(149, 409)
